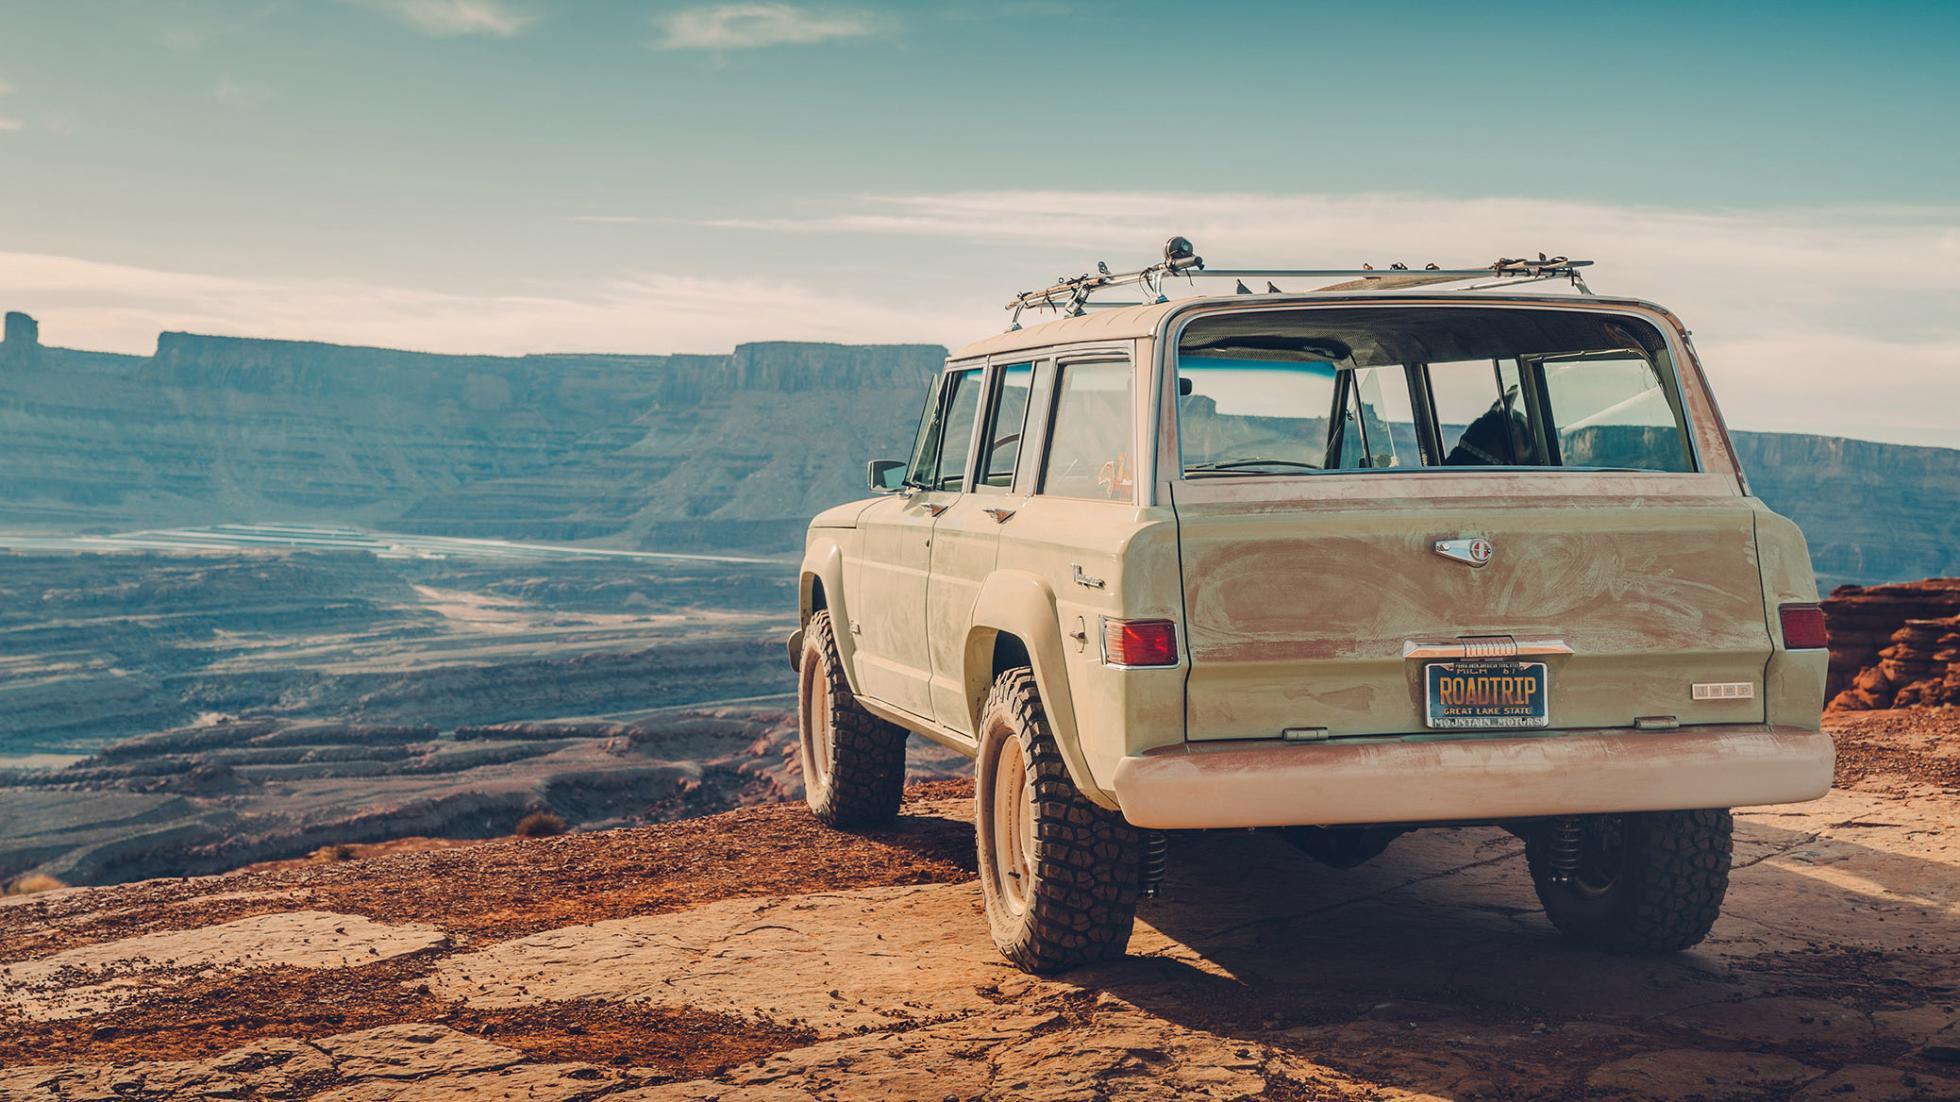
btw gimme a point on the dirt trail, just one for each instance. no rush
(755, 955)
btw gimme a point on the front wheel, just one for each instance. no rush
(853, 762)
(1060, 875)
(1639, 883)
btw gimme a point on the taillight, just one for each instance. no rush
(1803, 627)
(1132, 643)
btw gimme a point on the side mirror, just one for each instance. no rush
(885, 476)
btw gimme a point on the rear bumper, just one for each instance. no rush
(1254, 784)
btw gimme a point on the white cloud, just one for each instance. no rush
(1840, 320)
(6, 89)
(609, 219)
(453, 18)
(753, 25)
(9, 126)
(90, 304)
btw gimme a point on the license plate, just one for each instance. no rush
(1486, 694)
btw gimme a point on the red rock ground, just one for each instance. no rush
(755, 954)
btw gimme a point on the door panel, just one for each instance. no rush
(894, 663)
(966, 540)
(889, 607)
(965, 546)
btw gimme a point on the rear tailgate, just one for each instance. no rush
(1299, 612)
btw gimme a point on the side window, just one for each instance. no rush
(962, 410)
(1091, 447)
(1482, 414)
(1041, 399)
(1014, 383)
(1611, 410)
(1378, 429)
(925, 448)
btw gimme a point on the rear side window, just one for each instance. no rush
(1091, 447)
(1276, 392)
(1009, 427)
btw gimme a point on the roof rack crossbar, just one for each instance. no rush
(1070, 295)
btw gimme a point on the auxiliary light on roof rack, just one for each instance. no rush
(1070, 296)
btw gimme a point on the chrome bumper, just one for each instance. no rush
(1254, 784)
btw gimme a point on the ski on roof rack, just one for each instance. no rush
(1070, 295)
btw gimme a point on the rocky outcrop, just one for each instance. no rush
(1887, 639)
(21, 345)
(1921, 668)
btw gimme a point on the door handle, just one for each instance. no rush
(935, 509)
(1000, 515)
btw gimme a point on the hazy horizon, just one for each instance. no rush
(511, 176)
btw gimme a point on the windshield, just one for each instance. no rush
(1273, 392)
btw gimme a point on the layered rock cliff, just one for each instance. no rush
(672, 451)
(1894, 646)
(723, 452)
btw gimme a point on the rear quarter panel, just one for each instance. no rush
(1133, 551)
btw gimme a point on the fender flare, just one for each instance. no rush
(1020, 604)
(823, 560)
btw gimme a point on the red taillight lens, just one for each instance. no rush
(1803, 628)
(1140, 642)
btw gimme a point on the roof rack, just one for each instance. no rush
(1070, 295)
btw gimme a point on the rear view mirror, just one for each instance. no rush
(885, 476)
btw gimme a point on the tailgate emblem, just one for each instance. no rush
(1475, 550)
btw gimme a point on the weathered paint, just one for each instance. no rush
(1298, 616)
(1410, 781)
(1294, 595)
(1793, 681)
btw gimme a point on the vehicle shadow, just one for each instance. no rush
(1433, 968)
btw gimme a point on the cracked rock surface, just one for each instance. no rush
(754, 956)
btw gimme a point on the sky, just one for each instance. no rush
(512, 176)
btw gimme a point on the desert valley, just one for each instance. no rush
(292, 636)
(263, 597)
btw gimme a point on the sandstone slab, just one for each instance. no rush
(92, 979)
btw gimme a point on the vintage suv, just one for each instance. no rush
(1420, 548)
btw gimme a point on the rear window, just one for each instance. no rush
(1297, 391)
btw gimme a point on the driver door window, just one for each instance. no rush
(939, 463)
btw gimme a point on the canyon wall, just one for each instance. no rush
(723, 452)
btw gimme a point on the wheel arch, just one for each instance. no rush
(820, 587)
(1015, 616)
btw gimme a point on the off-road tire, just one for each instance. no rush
(1081, 864)
(1667, 891)
(853, 762)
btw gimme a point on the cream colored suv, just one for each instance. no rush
(1420, 549)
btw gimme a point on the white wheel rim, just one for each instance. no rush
(816, 729)
(1013, 828)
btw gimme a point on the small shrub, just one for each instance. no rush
(540, 824)
(336, 852)
(33, 882)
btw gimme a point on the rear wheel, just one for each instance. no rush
(853, 762)
(1060, 875)
(1640, 883)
